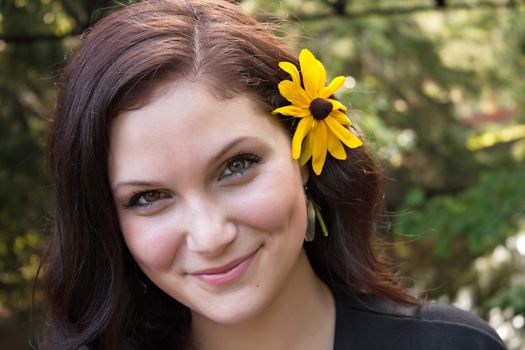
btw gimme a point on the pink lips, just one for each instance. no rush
(227, 273)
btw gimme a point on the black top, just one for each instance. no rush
(367, 323)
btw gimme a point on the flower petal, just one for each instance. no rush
(343, 133)
(291, 69)
(337, 104)
(306, 152)
(292, 111)
(294, 93)
(319, 147)
(340, 117)
(335, 84)
(335, 147)
(313, 72)
(304, 126)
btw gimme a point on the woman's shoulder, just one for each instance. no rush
(367, 322)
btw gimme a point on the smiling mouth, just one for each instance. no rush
(225, 274)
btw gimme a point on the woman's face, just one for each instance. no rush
(210, 201)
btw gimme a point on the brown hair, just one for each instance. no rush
(95, 289)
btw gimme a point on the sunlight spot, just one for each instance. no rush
(456, 95)
(400, 105)
(500, 255)
(464, 299)
(504, 331)
(518, 321)
(520, 243)
(343, 48)
(49, 18)
(349, 82)
(406, 138)
(397, 160)
(248, 6)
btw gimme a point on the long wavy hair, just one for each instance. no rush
(98, 298)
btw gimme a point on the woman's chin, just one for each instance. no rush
(231, 312)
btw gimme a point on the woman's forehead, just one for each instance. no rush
(187, 124)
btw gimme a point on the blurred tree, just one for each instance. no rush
(31, 57)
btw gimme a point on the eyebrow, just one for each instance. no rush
(230, 145)
(213, 160)
(135, 183)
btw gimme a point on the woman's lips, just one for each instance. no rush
(227, 273)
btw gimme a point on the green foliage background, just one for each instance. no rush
(438, 92)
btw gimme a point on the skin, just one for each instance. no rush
(212, 208)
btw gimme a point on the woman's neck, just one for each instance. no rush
(302, 316)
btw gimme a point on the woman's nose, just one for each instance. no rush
(208, 229)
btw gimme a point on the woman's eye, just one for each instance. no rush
(238, 165)
(147, 198)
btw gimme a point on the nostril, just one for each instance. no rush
(211, 238)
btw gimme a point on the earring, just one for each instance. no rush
(310, 221)
(313, 214)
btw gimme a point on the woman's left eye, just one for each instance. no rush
(147, 199)
(239, 164)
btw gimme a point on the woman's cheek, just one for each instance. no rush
(151, 242)
(272, 206)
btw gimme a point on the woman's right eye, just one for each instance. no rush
(146, 198)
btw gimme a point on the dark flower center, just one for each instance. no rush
(320, 108)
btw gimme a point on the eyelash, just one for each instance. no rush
(249, 158)
(136, 197)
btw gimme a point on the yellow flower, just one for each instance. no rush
(323, 124)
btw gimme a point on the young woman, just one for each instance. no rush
(210, 193)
